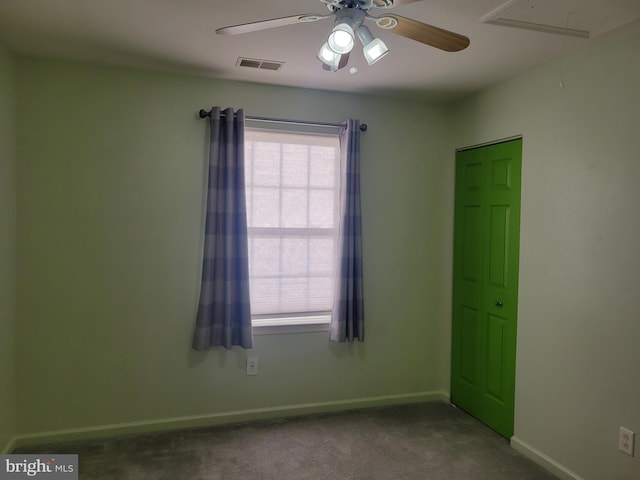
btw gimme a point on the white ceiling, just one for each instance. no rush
(179, 35)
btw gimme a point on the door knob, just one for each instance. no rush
(498, 303)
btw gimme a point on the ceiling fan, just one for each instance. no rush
(350, 16)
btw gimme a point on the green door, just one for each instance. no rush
(485, 282)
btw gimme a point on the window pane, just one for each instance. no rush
(295, 208)
(265, 256)
(294, 294)
(266, 164)
(265, 295)
(321, 256)
(323, 166)
(323, 286)
(295, 166)
(295, 257)
(321, 209)
(265, 207)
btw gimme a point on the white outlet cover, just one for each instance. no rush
(626, 441)
(252, 366)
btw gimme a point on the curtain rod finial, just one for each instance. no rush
(363, 127)
(203, 113)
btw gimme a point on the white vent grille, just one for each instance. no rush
(260, 64)
(578, 18)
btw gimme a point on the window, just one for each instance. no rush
(292, 190)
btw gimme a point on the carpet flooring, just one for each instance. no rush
(430, 441)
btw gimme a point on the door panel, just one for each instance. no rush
(498, 241)
(501, 173)
(472, 255)
(495, 357)
(473, 176)
(468, 340)
(486, 249)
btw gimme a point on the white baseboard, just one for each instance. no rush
(8, 448)
(546, 462)
(207, 420)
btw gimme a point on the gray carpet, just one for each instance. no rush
(432, 441)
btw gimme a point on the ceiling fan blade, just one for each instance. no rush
(271, 23)
(423, 33)
(391, 3)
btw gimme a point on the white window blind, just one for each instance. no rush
(292, 182)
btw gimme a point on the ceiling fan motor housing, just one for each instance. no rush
(354, 17)
(335, 5)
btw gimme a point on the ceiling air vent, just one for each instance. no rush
(261, 64)
(593, 18)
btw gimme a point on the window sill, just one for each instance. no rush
(275, 326)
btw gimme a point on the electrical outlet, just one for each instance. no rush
(252, 365)
(626, 441)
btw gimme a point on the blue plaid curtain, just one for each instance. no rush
(224, 313)
(347, 317)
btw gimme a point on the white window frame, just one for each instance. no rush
(296, 323)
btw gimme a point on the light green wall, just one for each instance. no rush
(7, 250)
(110, 189)
(578, 358)
(110, 193)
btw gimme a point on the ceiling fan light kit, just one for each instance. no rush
(330, 58)
(372, 48)
(341, 39)
(350, 16)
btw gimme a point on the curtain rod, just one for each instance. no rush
(363, 126)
